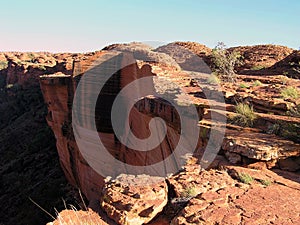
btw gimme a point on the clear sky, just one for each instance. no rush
(80, 26)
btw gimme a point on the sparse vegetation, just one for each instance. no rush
(42, 67)
(257, 67)
(243, 85)
(288, 130)
(273, 129)
(189, 192)
(213, 79)
(31, 57)
(245, 178)
(294, 112)
(290, 92)
(225, 62)
(265, 182)
(291, 131)
(284, 79)
(3, 65)
(245, 115)
(257, 83)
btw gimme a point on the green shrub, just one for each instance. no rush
(243, 85)
(257, 67)
(290, 92)
(245, 115)
(283, 78)
(288, 130)
(257, 83)
(213, 79)
(274, 129)
(265, 182)
(294, 112)
(189, 192)
(245, 178)
(225, 61)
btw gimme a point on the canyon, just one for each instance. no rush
(268, 153)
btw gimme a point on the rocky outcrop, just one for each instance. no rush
(58, 94)
(58, 91)
(133, 200)
(199, 196)
(29, 161)
(258, 146)
(78, 217)
(190, 56)
(260, 56)
(290, 66)
(195, 195)
(227, 200)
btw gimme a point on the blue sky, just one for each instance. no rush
(79, 26)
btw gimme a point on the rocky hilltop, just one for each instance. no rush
(254, 179)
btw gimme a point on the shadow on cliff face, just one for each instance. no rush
(29, 164)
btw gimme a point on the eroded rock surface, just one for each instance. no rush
(264, 147)
(133, 200)
(263, 201)
(78, 217)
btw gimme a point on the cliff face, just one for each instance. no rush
(58, 94)
(58, 90)
(258, 147)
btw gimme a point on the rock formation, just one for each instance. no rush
(207, 192)
(254, 179)
(260, 56)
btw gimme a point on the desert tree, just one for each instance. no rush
(225, 61)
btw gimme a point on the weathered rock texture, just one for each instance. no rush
(206, 197)
(263, 147)
(261, 56)
(58, 90)
(220, 199)
(135, 200)
(78, 217)
(289, 66)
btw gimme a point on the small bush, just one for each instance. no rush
(243, 85)
(294, 112)
(245, 178)
(274, 129)
(257, 83)
(42, 67)
(283, 78)
(225, 62)
(291, 131)
(213, 79)
(257, 67)
(290, 92)
(265, 182)
(245, 115)
(189, 192)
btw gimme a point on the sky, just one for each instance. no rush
(89, 25)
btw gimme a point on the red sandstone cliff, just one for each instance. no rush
(254, 147)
